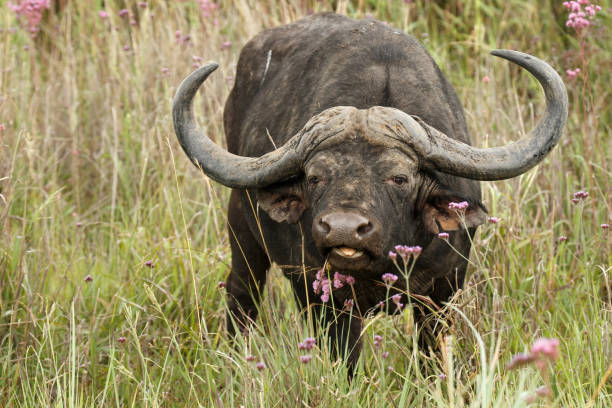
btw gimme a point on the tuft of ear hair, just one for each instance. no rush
(282, 203)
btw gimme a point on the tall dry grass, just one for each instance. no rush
(93, 183)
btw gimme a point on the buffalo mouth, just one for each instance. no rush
(348, 258)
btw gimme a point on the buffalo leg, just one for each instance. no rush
(250, 264)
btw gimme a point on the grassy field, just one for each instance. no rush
(112, 244)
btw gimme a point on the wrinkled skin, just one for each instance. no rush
(360, 188)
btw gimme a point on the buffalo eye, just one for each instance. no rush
(398, 180)
(313, 180)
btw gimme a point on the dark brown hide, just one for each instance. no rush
(348, 182)
(287, 75)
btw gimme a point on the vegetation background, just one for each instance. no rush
(112, 244)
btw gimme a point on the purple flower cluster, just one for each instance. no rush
(389, 279)
(397, 300)
(31, 11)
(180, 38)
(580, 195)
(305, 359)
(572, 73)
(321, 284)
(207, 7)
(443, 235)
(578, 17)
(307, 344)
(493, 220)
(405, 251)
(458, 206)
(542, 350)
(377, 340)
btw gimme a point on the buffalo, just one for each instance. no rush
(345, 140)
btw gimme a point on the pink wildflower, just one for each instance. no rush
(122, 339)
(443, 235)
(581, 195)
(142, 4)
(542, 350)
(149, 264)
(207, 7)
(123, 12)
(31, 11)
(338, 280)
(578, 18)
(486, 79)
(385, 354)
(572, 73)
(397, 300)
(493, 220)
(392, 255)
(377, 340)
(221, 285)
(546, 347)
(389, 278)
(325, 295)
(88, 278)
(307, 344)
(226, 45)
(519, 360)
(348, 305)
(250, 357)
(305, 359)
(103, 14)
(458, 206)
(165, 70)
(442, 376)
(605, 226)
(562, 238)
(260, 366)
(2, 127)
(405, 251)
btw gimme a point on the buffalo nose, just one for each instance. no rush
(343, 228)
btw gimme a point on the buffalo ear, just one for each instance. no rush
(282, 202)
(438, 217)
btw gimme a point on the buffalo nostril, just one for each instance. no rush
(324, 227)
(363, 229)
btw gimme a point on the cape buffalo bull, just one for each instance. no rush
(344, 141)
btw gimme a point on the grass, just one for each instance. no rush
(93, 182)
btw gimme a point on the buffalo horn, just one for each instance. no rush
(217, 163)
(450, 156)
